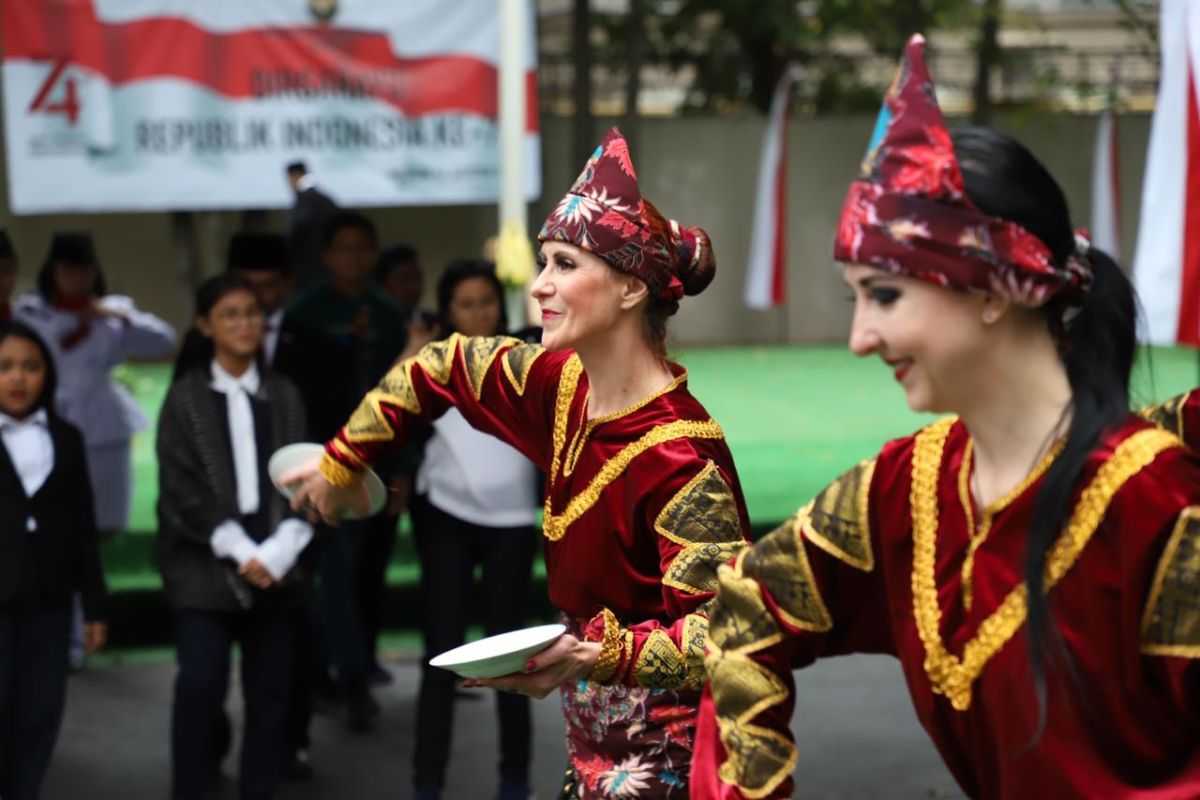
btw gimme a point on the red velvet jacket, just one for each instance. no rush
(642, 506)
(895, 558)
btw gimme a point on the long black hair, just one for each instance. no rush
(462, 269)
(197, 351)
(19, 330)
(1098, 346)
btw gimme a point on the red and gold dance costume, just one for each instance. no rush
(894, 557)
(641, 508)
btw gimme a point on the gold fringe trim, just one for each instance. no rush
(610, 650)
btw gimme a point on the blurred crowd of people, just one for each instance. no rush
(285, 342)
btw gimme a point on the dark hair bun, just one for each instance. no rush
(697, 264)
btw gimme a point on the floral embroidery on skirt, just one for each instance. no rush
(628, 742)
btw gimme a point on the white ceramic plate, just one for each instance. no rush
(291, 456)
(498, 655)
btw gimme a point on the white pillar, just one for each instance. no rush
(512, 210)
(512, 111)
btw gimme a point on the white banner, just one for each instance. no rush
(151, 105)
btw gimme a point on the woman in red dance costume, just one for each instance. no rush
(642, 499)
(1033, 561)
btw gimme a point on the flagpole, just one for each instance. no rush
(512, 111)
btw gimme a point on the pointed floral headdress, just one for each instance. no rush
(908, 211)
(605, 214)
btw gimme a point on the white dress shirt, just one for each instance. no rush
(476, 477)
(31, 450)
(278, 553)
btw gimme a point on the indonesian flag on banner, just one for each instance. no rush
(767, 269)
(1166, 267)
(149, 105)
(1106, 187)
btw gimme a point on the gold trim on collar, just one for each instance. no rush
(954, 677)
(978, 534)
(568, 383)
(585, 430)
(554, 526)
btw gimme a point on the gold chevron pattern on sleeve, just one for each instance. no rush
(662, 665)
(757, 758)
(779, 563)
(1167, 415)
(368, 423)
(838, 520)
(437, 358)
(478, 354)
(517, 363)
(703, 518)
(1171, 621)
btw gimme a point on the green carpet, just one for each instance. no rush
(795, 417)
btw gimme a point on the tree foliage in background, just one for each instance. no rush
(737, 50)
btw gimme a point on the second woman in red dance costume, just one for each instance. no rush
(1031, 562)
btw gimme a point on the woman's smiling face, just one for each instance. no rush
(580, 295)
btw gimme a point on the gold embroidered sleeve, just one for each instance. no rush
(702, 519)
(758, 758)
(1171, 620)
(1168, 415)
(699, 529)
(838, 520)
(517, 363)
(452, 372)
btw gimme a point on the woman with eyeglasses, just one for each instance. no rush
(228, 546)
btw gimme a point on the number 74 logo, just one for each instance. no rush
(68, 101)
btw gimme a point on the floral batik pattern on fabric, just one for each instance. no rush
(909, 212)
(604, 213)
(628, 742)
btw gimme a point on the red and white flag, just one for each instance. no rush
(1106, 187)
(767, 268)
(1166, 266)
(149, 105)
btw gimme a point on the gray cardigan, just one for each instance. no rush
(197, 490)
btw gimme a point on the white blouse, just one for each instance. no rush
(476, 477)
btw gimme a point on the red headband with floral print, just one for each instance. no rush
(908, 212)
(604, 213)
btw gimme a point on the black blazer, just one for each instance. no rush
(197, 490)
(310, 360)
(65, 547)
(305, 228)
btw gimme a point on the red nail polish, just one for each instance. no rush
(530, 665)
